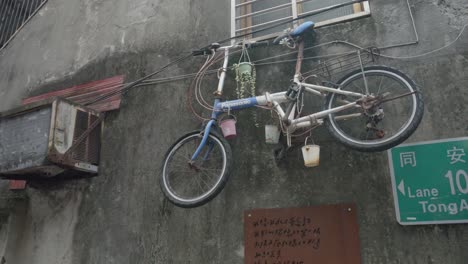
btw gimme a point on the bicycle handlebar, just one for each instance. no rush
(280, 37)
(214, 46)
(257, 44)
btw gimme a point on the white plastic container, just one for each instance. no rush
(311, 155)
(272, 134)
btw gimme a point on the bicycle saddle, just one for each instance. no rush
(302, 28)
(296, 32)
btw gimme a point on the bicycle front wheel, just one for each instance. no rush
(379, 126)
(189, 183)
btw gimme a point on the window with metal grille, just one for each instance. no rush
(248, 16)
(14, 14)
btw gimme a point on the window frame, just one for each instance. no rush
(247, 13)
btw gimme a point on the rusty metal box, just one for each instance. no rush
(49, 138)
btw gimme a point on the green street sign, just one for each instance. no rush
(430, 181)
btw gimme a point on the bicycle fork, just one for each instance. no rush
(206, 134)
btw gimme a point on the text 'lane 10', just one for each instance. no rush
(430, 181)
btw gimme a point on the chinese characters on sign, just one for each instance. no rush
(430, 181)
(282, 233)
(456, 155)
(301, 235)
(408, 158)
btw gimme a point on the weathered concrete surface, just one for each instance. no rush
(122, 217)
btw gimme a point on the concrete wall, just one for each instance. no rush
(122, 217)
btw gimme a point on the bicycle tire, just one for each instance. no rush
(200, 168)
(407, 128)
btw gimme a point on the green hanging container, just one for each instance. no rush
(245, 68)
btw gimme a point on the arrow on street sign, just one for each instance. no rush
(401, 187)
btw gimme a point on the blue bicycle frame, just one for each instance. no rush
(219, 108)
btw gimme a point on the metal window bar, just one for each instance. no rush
(266, 10)
(14, 15)
(264, 24)
(295, 5)
(245, 3)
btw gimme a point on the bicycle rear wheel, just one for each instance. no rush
(191, 184)
(383, 125)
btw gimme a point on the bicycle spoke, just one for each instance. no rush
(182, 156)
(362, 91)
(198, 183)
(380, 86)
(206, 174)
(387, 89)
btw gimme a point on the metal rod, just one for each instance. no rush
(346, 117)
(332, 90)
(5, 17)
(3, 33)
(397, 97)
(222, 77)
(303, 1)
(307, 89)
(300, 56)
(363, 73)
(2, 5)
(14, 19)
(294, 10)
(323, 113)
(328, 8)
(245, 3)
(27, 20)
(9, 22)
(233, 22)
(2, 17)
(266, 10)
(414, 29)
(20, 17)
(263, 24)
(26, 14)
(31, 8)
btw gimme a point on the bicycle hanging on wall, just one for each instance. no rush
(372, 108)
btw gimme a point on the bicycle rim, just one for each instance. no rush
(187, 183)
(379, 126)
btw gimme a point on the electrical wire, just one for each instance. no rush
(180, 77)
(124, 88)
(127, 87)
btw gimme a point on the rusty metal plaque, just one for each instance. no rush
(325, 234)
